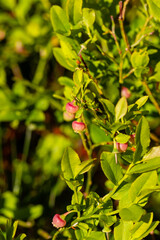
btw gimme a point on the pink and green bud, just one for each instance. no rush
(68, 116)
(78, 126)
(125, 92)
(71, 108)
(121, 147)
(58, 222)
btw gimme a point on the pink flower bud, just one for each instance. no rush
(71, 108)
(19, 48)
(58, 222)
(125, 92)
(121, 147)
(68, 116)
(78, 126)
(2, 34)
(132, 138)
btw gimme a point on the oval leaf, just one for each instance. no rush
(59, 20)
(142, 139)
(111, 169)
(121, 108)
(69, 164)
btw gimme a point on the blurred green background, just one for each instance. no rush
(31, 139)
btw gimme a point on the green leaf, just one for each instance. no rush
(156, 76)
(85, 166)
(141, 227)
(141, 183)
(9, 232)
(141, 101)
(15, 225)
(69, 164)
(132, 213)
(142, 139)
(59, 20)
(121, 108)
(111, 169)
(74, 10)
(139, 59)
(10, 115)
(154, 152)
(77, 198)
(88, 16)
(35, 211)
(66, 81)
(149, 230)
(1, 235)
(146, 166)
(79, 234)
(96, 235)
(21, 237)
(98, 135)
(36, 116)
(66, 55)
(154, 7)
(121, 190)
(107, 220)
(146, 192)
(122, 138)
(109, 108)
(63, 60)
(9, 4)
(78, 77)
(122, 230)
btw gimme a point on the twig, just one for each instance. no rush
(121, 20)
(151, 97)
(17, 71)
(143, 28)
(129, 73)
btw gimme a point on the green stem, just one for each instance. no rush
(93, 216)
(75, 192)
(19, 171)
(89, 182)
(124, 35)
(89, 174)
(129, 73)
(84, 143)
(58, 232)
(149, 93)
(89, 152)
(39, 74)
(121, 70)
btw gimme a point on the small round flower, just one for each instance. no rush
(121, 147)
(68, 116)
(58, 222)
(71, 108)
(125, 92)
(78, 126)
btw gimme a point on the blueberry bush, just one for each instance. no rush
(111, 48)
(79, 115)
